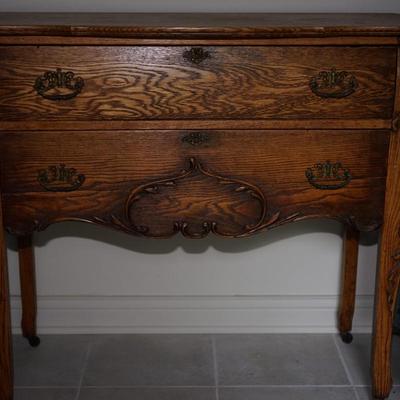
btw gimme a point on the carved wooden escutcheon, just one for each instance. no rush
(196, 138)
(196, 55)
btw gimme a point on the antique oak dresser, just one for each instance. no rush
(200, 124)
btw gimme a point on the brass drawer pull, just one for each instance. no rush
(328, 176)
(196, 138)
(59, 85)
(59, 178)
(333, 84)
(196, 55)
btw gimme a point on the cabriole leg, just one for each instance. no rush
(349, 283)
(28, 289)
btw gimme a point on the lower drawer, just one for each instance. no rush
(158, 183)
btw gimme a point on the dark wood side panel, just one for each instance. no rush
(139, 82)
(156, 183)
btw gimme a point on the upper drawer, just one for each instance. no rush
(178, 82)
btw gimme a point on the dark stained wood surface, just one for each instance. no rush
(388, 277)
(155, 145)
(27, 275)
(388, 271)
(128, 83)
(117, 163)
(345, 124)
(199, 24)
(351, 240)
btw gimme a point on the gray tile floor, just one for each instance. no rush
(196, 367)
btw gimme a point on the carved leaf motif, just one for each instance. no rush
(195, 203)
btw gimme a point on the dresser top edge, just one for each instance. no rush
(195, 25)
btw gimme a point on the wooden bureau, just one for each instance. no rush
(226, 124)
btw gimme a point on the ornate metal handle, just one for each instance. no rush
(59, 178)
(333, 84)
(59, 85)
(328, 176)
(196, 55)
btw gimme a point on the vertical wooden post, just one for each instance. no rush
(28, 289)
(6, 366)
(388, 275)
(388, 272)
(349, 282)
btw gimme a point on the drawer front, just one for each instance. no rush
(178, 82)
(158, 183)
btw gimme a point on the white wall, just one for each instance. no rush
(203, 5)
(286, 280)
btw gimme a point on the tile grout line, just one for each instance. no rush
(346, 368)
(85, 364)
(193, 386)
(215, 362)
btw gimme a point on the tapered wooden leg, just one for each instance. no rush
(349, 283)
(28, 289)
(6, 366)
(388, 275)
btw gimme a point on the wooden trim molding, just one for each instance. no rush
(199, 25)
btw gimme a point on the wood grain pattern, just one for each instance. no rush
(6, 365)
(27, 276)
(390, 243)
(208, 25)
(132, 41)
(349, 279)
(387, 278)
(123, 130)
(196, 199)
(118, 162)
(334, 124)
(128, 83)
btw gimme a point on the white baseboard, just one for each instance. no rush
(192, 314)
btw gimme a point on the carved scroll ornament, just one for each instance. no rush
(197, 202)
(194, 202)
